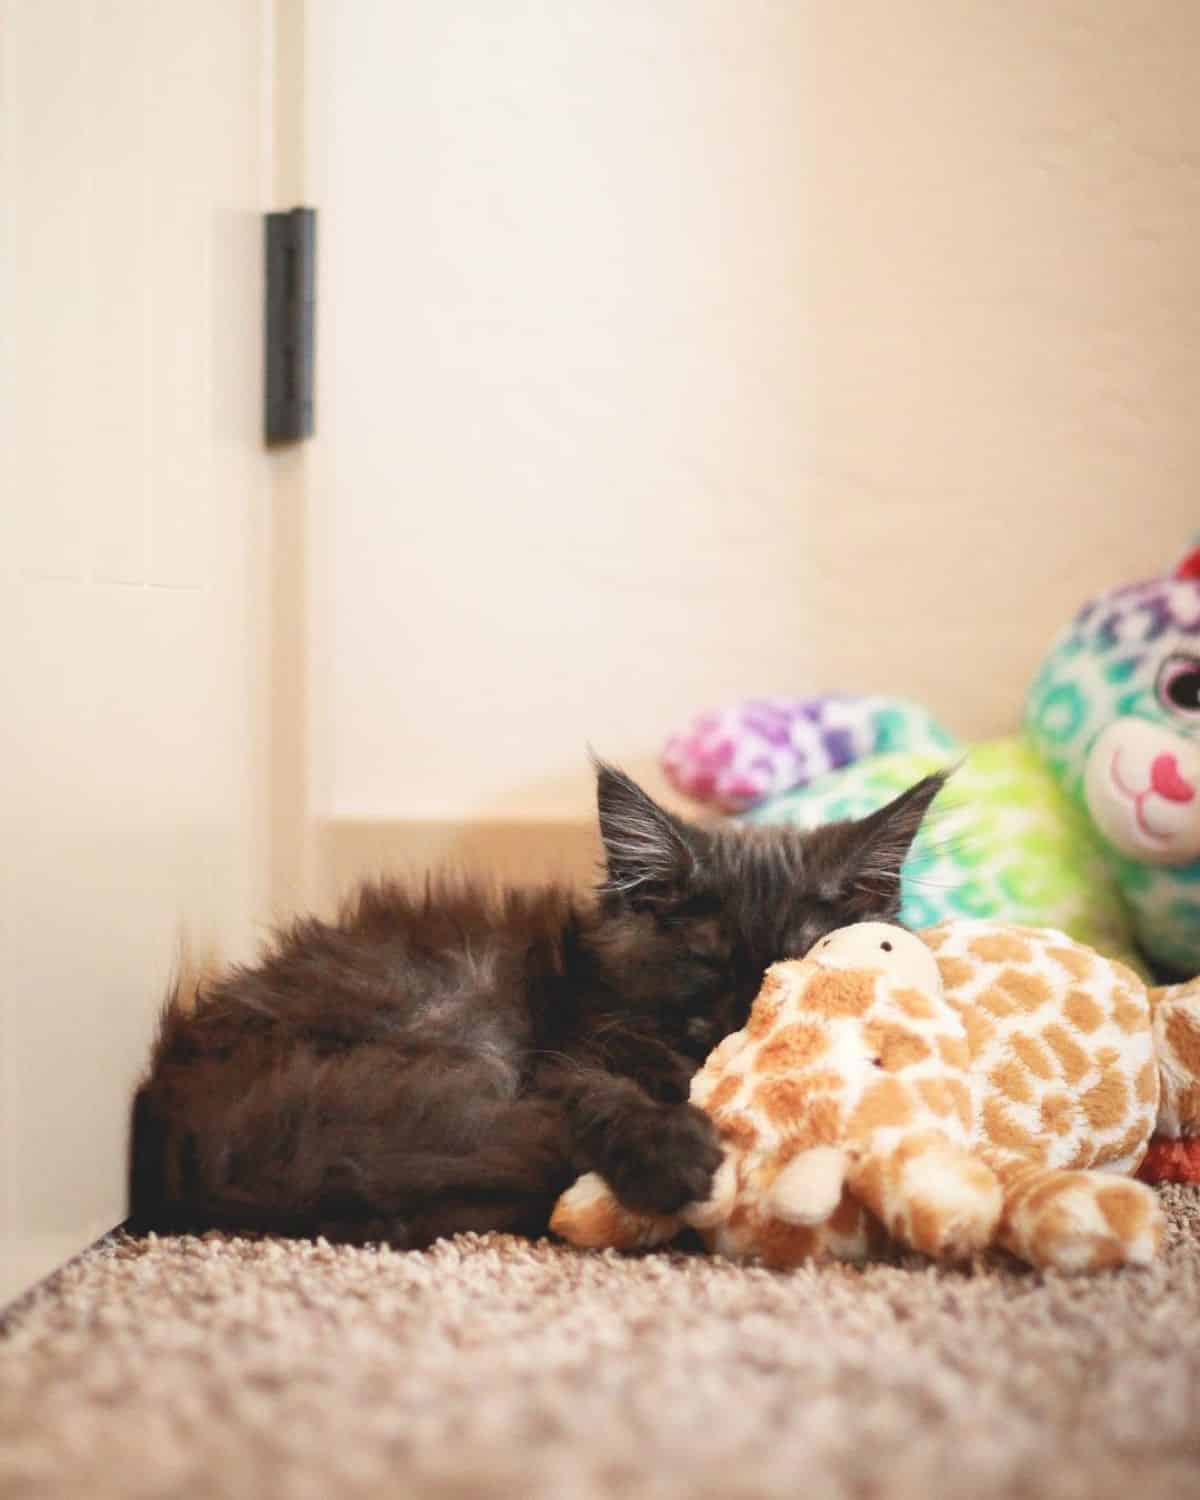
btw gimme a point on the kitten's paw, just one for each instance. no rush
(670, 1161)
(718, 1206)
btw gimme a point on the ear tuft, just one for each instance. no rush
(648, 854)
(880, 844)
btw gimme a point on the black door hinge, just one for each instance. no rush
(291, 285)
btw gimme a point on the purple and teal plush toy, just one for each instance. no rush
(1088, 821)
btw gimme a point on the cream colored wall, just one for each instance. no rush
(134, 525)
(675, 349)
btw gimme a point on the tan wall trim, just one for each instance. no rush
(512, 850)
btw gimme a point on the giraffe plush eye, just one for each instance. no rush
(1178, 684)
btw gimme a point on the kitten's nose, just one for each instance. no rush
(1167, 781)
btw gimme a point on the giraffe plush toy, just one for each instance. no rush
(970, 1085)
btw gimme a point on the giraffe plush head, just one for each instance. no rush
(944, 1091)
(846, 1091)
(1114, 713)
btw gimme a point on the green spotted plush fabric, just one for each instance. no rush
(1001, 838)
(1088, 821)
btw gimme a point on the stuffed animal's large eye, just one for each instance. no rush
(1179, 684)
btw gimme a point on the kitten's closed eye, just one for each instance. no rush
(701, 975)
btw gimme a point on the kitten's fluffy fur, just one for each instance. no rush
(448, 1059)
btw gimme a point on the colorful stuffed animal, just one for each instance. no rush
(970, 1085)
(1089, 821)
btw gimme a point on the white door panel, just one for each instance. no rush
(134, 514)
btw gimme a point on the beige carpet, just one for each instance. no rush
(492, 1367)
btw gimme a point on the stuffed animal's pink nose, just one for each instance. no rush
(1166, 780)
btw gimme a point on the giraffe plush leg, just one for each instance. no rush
(931, 1194)
(1176, 1023)
(1075, 1221)
(809, 1187)
(589, 1216)
(1173, 1154)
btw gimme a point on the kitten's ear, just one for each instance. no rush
(878, 845)
(650, 855)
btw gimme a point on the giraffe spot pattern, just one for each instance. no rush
(955, 972)
(1183, 1037)
(840, 993)
(1058, 1114)
(1043, 1190)
(962, 1101)
(1053, 1229)
(886, 1103)
(1122, 1208)
(1002, 1129)
(1033, 1055)
(1082, 1011)
(780, 1245)
(1106, 1102)
(1072, 1059)
(980, 1031)
(938, 1095)
(824, 1081)
(896, 1046)
(998, 1003)
(1076, 961)
(1131, 1146)
(1028, 991)
(916, 1005)
(1130, 1016)
(953, 1052)
(915, 1147)
(1010, 1079)
(724, 1094)
(787, 1103)
(1188, 1102)
(791, 1048)
(738, 1129)
(1001, 947)
(764, 1014)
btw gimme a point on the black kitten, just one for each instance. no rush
(450, 1060)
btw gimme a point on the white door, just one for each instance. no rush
(134, 511)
